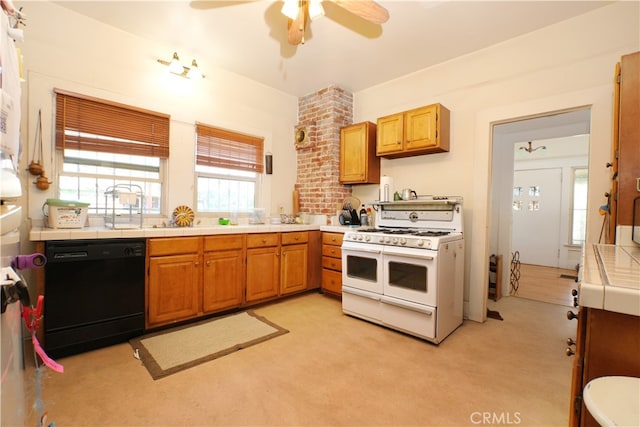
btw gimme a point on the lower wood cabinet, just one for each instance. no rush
(607, 344)
(293, 262)
(190, 277)
(223, 272)
(263, 266)
(332, 263)
(173, 280)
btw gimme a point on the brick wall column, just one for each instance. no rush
(322, 113)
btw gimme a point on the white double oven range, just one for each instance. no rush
(408, 272)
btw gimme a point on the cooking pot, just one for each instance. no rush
(408, 194)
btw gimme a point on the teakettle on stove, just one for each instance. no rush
(409, 194)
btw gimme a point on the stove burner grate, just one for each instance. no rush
(431, 233)
(413, 232)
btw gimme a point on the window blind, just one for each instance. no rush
(86, 123)
(226, 149)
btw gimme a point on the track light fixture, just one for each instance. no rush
(176, 67)
(530, 149)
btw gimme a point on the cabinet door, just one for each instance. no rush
(172, 293)
(358, 161)
(390, 134)
(223, 280)
(420, 128)
(263, 272)
(331, 281)
(293, 272)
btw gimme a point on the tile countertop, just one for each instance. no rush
(43, 233)
(611, 278)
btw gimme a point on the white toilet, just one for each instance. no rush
(613, 401)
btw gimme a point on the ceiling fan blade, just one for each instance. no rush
(366, 9)
(297, 27)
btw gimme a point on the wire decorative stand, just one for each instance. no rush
(514, 279)
(123, 206)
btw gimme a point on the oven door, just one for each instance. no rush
(362, 266)
(410, 274)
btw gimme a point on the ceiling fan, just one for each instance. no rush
(300, 12)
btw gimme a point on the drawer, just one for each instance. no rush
(173, 246)
(332, 281)
(295, 237)
(332, 238)
(332, 263)
(262, 240)
(332, 251)
(219, 243)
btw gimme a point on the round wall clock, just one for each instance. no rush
(302, 136)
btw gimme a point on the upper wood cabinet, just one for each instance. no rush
(423, 130)
(358, 161)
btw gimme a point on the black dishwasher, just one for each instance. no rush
(94, 294)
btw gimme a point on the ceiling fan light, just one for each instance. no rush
(194, 72)
(290, 9)
(315, 9)
(175, 66)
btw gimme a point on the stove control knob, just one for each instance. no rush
(420, 243)
(387, 240)
(352, 236)
(429, 244)
(403, 241)
(381, 239)
(394, 240)
(360, 238)
(367, 238)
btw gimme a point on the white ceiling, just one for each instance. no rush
(249, 37)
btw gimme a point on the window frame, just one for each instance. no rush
(242, 163)
(572, 209)
(86, 123)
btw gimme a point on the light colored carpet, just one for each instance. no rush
(170, 351)
(335, 370)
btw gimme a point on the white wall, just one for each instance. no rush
(564, 66)
(68, 51)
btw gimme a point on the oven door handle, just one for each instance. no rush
(371, 251)
(420, 257)
(359, 293)
(425, 311)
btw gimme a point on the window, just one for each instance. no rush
(102, 143)
(228, 168)
(579, 206)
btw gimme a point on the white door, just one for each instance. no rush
(535, 233)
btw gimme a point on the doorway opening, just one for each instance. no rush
(538, 202)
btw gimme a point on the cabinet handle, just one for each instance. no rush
(196, 263)
(570, 341)
(569, 351)
(296, 238)
(571, 315)
(264, 240)
(208, 263)
(333, 239)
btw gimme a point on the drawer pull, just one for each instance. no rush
(571, 315)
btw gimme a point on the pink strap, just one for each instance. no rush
(46, 359)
